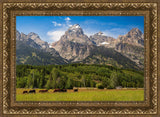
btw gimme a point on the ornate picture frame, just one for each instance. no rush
(11, 9)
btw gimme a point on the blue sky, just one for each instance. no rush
(51, 28)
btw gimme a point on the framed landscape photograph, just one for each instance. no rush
(79, 58)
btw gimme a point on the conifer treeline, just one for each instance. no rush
(76, 75)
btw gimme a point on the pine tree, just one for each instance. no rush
(113, 80)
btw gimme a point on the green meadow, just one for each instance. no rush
(84, 95)
(94, 83)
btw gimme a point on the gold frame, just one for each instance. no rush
(10, 10)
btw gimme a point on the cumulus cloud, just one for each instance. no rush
(56, 24)
(56, 35)
(67, 19)
(68, 23)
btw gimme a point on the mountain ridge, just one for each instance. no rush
(75, 46)
(30, 49)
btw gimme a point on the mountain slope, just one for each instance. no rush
(108, 56)
(101, 40)
(28, 55)
(74, 45)
(134, 37)
(30, 49)
(131, 45)
(32, 39)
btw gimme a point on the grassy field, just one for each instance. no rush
(84, 95)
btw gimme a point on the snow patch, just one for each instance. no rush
(104, 43)
(76, 26)
(101, 34)
(50, 45)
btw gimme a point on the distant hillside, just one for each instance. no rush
(108, 56)
(29, 55)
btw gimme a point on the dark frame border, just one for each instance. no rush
(7, 65)
(75, 13)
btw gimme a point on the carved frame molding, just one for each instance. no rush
(73, 107)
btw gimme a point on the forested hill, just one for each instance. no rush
(33, 56)
(76, 75)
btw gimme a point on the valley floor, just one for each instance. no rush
(83, 95)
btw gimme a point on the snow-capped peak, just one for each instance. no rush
(75, 30)
(75, 26)
(100, 33)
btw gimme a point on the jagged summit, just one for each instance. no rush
(34, 36)
(100, 39)
(33, 39)
(75, 34)
(75, 46)
(75, 26)
(100, 34)
(32, 33)
(134, 37)
(134, 32)
(75, 30)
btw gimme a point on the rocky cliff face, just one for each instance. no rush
(101, 40)
(30, 49)
(74, 45)
(75, 34)
(132, 46)
(133, 37)
(33, 40)
(36, 38)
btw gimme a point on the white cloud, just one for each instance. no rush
(67, 19)
(67, 23)
(56, 35)
(56, 24)
(115, 32)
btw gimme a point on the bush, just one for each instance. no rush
(110, 87)
(99, 86)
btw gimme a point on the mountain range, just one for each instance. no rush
(127, 51)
